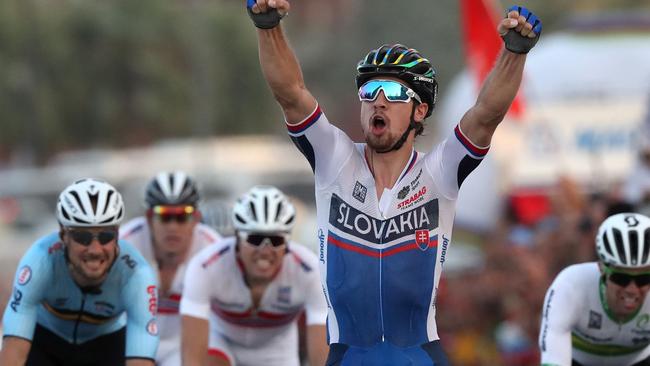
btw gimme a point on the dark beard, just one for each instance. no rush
(382, 143)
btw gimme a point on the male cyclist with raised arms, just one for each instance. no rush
(243, 296)
(168, 236)
(81, 297)
(598, 313)
(385, 211)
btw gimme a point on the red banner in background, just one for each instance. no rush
(483, 44)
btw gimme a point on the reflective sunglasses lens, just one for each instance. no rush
(369, 91)
(180, 218)
(393, 91)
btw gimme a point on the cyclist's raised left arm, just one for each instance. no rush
(501, 85)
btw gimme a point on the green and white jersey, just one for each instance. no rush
(577, 325)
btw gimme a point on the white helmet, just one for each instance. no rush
(263, 209)
(623, 240)
(90, 202)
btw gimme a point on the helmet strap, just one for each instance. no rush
(399, 143)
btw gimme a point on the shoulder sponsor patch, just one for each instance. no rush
(24, 275)
(152, 327)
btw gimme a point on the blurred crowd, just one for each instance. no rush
(490, 315)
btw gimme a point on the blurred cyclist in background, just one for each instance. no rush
(243, 296)
(168, 236)
(598, 313)
(73, 289)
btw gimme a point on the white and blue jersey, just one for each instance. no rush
(45, 293)
(381, 259)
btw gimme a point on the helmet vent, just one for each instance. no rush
(620, 248)
(108, 200)
(278, 211)
(633, 237)
(608, 247)
(266, 209)
(288, 222)
(240, 219)
(253, 212)
(78, 199)
(646, 246)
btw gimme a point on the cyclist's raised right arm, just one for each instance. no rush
(281, 68)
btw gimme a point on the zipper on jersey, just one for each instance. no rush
(76, 324)
(381, 284)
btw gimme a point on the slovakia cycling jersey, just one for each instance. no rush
(575, 325)
(381, 259)
(45, 293)
(215, 289)
(137, 233)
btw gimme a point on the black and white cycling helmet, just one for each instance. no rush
(623, 240)
(90, 202)
(263, 209)
(171, 188)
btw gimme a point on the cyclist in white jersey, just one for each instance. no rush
(82, 297)
(251, 290)
(385, 211)
(598, 313)
(168, 236)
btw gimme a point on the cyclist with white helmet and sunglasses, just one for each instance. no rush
(168, 236)
(598, 313)
(81, 296)
(385, 211)
(243, 296)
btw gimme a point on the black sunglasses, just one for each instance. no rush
(85, 237)
(624, 279)
(258, 239)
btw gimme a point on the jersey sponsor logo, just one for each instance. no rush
(547, 309)
(416, 198)
(152, 327)
(153, 300)
(15, 302)
(595, 320)
(284, 294)
(403, 192)
(55, 247)
(321, 246)
(352, 221)
(416, 182)
(359, 192)
(104, 307)
(24, 275)
(443, 253)
(131, 263)
(642, 321)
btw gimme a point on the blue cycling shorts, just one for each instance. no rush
(386, 354)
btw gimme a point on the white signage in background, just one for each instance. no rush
(591, 142)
